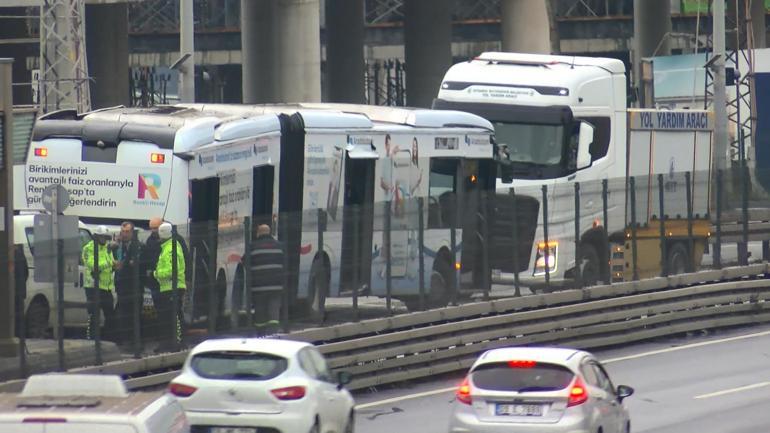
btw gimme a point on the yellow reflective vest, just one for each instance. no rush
(164, 270)
(105, 261)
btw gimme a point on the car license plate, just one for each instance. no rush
(519, 409)
(233, 430)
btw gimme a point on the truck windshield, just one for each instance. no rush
(536, 144)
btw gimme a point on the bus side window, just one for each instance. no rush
(442, 193)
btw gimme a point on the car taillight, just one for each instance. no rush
(290, 393)
(181, 390)
(521, 364)
(43, 419)
(578, 394)
(463, 393)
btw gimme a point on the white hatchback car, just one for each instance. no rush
(260, 385)
(539, 389)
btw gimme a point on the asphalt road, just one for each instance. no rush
(706, 383)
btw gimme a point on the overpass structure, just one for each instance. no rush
(312, 50)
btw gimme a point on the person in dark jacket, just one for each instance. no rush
(125, 253)
(20, 275)
(148, 261)
(267, 278)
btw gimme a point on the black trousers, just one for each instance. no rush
(105, 304)
(169, 327)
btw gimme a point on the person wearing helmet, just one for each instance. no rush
(168, 280)
(98, 280)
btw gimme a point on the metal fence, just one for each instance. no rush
(526, 243)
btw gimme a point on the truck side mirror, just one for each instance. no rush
(585, 139)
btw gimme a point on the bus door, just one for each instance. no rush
(262, 199)
(204, 213)
(399, 223)
(357, 223)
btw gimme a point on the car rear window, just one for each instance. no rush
(504, 376)
(238, 365)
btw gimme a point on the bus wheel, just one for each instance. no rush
(677, 259)
(37, 319)
(221, 291)
(439, 285)
(318, 289)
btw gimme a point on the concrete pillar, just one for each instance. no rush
(281, 48)
(759, 23)
(9, 345)
(652, 24)
(256, 50)
(345, 50)
(298, 51)
(107, 47)
(526, 26)
(11, 28)
(428, 49)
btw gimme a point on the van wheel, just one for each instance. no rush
(677, 259)
(37, 319)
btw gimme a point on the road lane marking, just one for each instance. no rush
(405, 397)
(607, 361)
(732, 390)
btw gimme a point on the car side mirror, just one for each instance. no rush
(624, 391)
(343, 378)
(585, 139)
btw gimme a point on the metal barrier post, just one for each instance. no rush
(137, 295)
(690, 242)
(97, 311)
(213, 296)
(578, 258)
(249, 295)
(605, 193)
(515, 240)
(60, 300)
(421, 246)
(453, 245)
(388, 257)
(635, 269)
(745, 211)
(718, 243)
(545, 238)
(485, 245)
(661, 220)
(174, 290)
(322, 220)
(356, 229)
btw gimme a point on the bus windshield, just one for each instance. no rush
(535, 144)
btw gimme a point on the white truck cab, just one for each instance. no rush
(83, 403)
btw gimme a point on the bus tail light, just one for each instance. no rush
(157, 158)
(41, 151)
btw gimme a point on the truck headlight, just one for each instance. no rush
(541, 261)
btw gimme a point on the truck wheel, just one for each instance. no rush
(677, 259)
(37, 319)
(590, 268)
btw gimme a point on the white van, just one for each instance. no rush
(39, 303)
(88, 403)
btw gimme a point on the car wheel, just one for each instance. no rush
(351, 426)
(37, 319)
(316, 428)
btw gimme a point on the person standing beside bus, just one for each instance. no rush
(99, 267)
(164, 273)
(125, 252)
(267, 278)
(148, 261)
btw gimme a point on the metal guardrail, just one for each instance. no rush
(412, 346)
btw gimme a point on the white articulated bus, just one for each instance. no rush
(207, 167)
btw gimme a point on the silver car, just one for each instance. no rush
(539, 389)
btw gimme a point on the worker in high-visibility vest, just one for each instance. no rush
(99, 281)
(170, 325)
